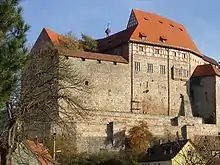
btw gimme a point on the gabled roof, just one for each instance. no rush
(54, 38)
(164, 152)
(205, 71)
(155, 26)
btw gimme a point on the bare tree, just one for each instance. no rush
(51, 92)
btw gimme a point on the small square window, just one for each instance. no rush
(184, 55)
(162, 69)
(149, 68)
(157, 51)
(137, 66)
(143, 37)
(141, 48)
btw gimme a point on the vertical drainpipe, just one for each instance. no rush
(168, 81)
(131, 54)
(189, 76)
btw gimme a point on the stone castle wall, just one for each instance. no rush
(92, 132)
(151, 90)
(119, 89)
(116, 89)
(109, 84)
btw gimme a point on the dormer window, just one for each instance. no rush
(163, 39)
(161, 22)
(143, 36)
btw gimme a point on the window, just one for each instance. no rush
(180, 73)
(83, 59)
(185, 73)
(137, 66)
(149, 68)
(110, 132)
(157, 51)
(206, 96)
(184, 55)
(181, 29)
(174, 53)
(143, 38)
(147, 84)
(141, 48)
(115, 63)
(99, 61)
(162, 69)
(86, 83)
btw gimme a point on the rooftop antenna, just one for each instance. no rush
(108, 30)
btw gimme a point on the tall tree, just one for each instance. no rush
(13, 51)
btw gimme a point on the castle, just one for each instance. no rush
(152, 71)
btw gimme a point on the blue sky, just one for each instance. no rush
(200, 17)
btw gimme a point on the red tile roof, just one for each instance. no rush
(115, 39)
(54, 37)
(206, 70)
(154, 27)
(97, 56)
(41, 153)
